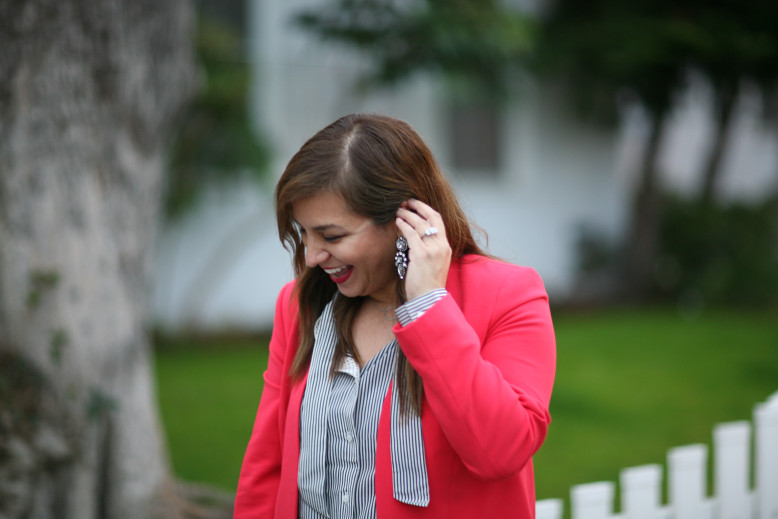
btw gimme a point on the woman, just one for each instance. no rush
(409, 374)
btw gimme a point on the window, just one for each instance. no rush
(475, 138)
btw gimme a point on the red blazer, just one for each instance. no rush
(486, 353)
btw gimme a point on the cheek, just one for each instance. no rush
(388, 241)
(386, 256)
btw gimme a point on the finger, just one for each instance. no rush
(424, 210)
(409, 232)
(422, 214)
(414, 219)
(421, 224)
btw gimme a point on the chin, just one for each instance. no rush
(346, 292)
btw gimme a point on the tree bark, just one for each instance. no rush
(724, 105)
(642, 241)
(89, 95)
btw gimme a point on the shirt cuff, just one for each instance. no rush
(415, 308)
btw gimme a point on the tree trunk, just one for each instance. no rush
(724, 104)
(642, 241)
(89, 95)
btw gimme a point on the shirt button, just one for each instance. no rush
(349, 437)
(344, 498)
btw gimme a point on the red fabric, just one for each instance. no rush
(487, 355)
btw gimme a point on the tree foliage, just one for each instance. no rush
(647, 46)
(734, 42)
(471, 41)
(718, 255)
(216, 141)
(603, 51)
(646, 50)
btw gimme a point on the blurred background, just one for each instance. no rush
(625, 153)
(628, 151)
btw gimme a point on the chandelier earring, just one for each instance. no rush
(401, 257)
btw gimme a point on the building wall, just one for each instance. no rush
(223, 265)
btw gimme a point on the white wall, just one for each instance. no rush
(750, 164)
(531, 211)
(223, 265)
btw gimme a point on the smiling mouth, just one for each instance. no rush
(339, 274)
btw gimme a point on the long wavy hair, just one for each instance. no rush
(374, 162)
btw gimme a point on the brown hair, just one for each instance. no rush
(374, 162)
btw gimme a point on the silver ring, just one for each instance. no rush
(431, 231)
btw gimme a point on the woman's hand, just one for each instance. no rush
(429, 255)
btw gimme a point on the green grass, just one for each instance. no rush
(208, 398)
(630, 385)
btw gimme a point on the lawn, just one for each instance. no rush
(208, 394)
(630, 385)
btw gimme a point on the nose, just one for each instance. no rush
(314, 255)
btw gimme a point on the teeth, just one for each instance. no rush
(335, 270)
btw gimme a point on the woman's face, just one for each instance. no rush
(357, 254)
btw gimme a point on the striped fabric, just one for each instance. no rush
(416, 307)
(407, 443)
(339, 424)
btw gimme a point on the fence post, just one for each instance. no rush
(766, 456)
(641, 492)
(687, 469)
(549, 509)
(731, 443)
(592, 500)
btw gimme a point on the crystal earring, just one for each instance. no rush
(401, 257)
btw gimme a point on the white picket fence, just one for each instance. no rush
(641, 487)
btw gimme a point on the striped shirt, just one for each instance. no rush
(339, 425)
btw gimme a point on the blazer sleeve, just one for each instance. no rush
(489, 392)
(261, 470)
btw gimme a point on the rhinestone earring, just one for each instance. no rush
(401, 257)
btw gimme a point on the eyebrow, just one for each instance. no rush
(327, 227)
(320, 228)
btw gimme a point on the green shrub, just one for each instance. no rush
(718, 255)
